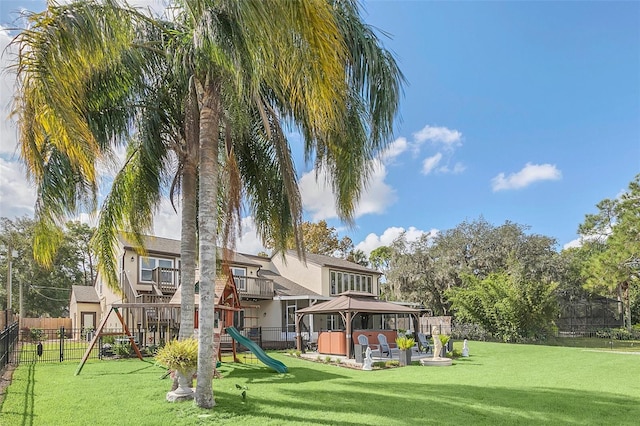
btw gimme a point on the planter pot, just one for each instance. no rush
(184, 390)
(405, 357)
(185, 381)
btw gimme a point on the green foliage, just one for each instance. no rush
(108, 340)
(319, 238)
(36, 334)
(392, 363)
(423, 270)
(181, 355)
(46, 290)
(444, 339)
(327, 359)
(548, 385)
(506, 306)
(122, 349)
(612, 242)
(405, 343)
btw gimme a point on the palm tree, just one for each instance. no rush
(321, 69)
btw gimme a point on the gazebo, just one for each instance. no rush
(348, 305)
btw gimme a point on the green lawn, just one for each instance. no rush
(498, 384)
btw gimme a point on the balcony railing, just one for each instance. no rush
(255, 288)
(166, 279)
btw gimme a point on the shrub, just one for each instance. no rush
(122, 349)
(392, 363)
(620, 334)
(36, 334)
(405, 343)
(181, 355)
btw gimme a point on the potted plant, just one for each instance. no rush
(181, 356)
(405, 345)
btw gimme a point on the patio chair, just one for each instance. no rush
(423, 343)
(364, 341)
(384, 345)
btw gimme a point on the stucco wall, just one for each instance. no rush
(309, 276)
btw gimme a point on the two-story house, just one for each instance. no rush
(271, 289)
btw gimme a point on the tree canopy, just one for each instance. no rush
(46, 290)
(611, 243)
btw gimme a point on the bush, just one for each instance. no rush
(181, 355)
(620, 334)
(405, 343)
(122, 349)
(36, 334)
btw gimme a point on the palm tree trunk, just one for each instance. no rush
(207, 228)
(189, 239)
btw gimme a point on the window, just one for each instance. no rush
(148, 264)
(343, 281)
(239, 276)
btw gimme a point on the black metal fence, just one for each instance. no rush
(57, 345)
(8, 344)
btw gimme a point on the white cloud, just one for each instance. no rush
(373, 241)
(8, 134)
(430, 163)
(17, 197)
(529, 174)
(573, 244)
(167, 222)
(456, 169)
(319, 201)
(394, 149)
(443, 135)
(249, 242)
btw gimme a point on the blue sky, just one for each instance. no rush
(520, 111)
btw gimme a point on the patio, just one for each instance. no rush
(416, 355)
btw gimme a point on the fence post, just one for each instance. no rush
(61, 344)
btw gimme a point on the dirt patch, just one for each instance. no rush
(5, 380)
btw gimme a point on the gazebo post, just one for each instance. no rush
(348, 321)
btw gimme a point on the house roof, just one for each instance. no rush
(354, 301)
(154, 244)
(172, 247)
(285, 287)
(85, 294)
(329, 261)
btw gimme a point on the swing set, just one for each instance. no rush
(227, 302)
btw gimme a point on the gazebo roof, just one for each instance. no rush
(354, 301)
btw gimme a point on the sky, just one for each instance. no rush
(527, 112)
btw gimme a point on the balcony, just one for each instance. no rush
(166, 279)
(254, 288)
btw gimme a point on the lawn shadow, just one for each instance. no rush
(259, 373)
(346, 397)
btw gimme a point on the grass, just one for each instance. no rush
(497, 384)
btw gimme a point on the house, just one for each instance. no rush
(270, 289)
(84, 308)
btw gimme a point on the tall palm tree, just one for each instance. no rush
(321, 69)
